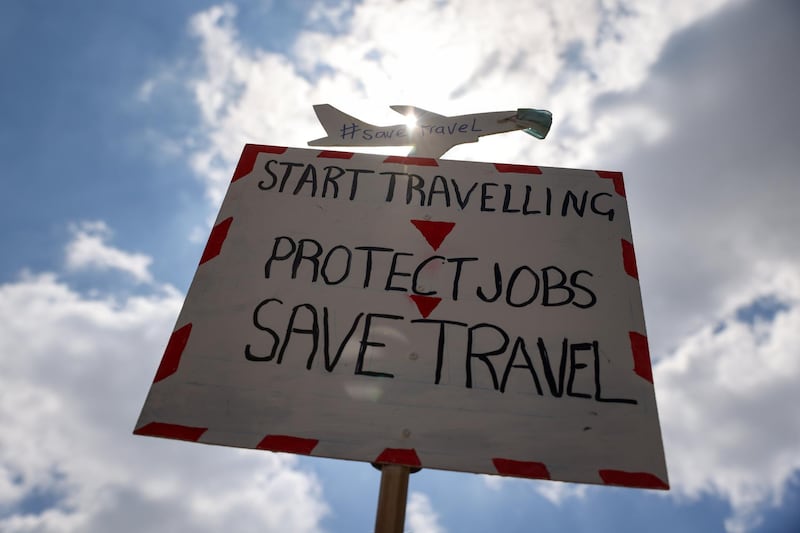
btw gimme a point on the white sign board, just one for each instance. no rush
(445, 314)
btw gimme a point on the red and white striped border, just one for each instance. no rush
(402, 456)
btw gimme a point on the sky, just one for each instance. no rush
(121, 124)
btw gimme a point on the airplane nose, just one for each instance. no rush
(538, 121)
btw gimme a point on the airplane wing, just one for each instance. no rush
(433, 147)
(422, 115)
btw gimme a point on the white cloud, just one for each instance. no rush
(703, 133)
(73, 375)
(493, 482)
(713, 205)
(88, 249)
(237, 99)
(727, 399)
(713, 201)
(145, 90)
(420, 516)
(449, 57)
(555, 492)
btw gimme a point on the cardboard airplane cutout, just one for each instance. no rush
(433, 134)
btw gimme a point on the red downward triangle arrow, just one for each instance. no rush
(425, 304)
(434, 232)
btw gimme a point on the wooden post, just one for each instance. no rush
(391, 515)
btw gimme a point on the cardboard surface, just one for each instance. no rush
(432, 135)
(466, 316)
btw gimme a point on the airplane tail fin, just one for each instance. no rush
(337, 124)
(537, 120)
